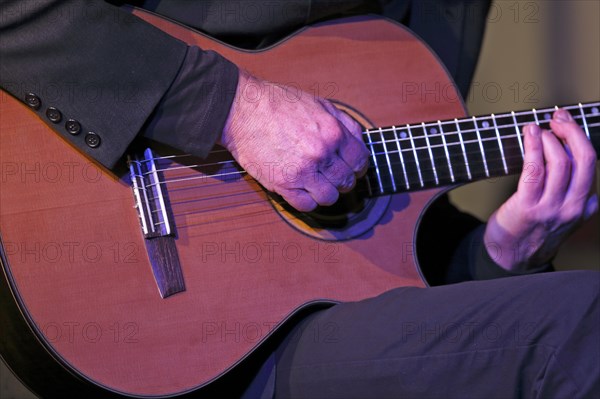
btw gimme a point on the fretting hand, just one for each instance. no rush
(553, 198)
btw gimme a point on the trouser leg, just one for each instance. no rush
(530, 336)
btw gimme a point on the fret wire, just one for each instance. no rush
(518, 134)
(431, 182)
(500, 144)
(375, 161)
(412, 143)
(481, 162)
(520, 113)
(462, 144)
(537, 122)
(438, 146)
(446, 150)
(387, 157)
(401, 157)
(516, 125)
(435, 175)
(584, 120)
(478, 162)
(487, 172)
(473, 130)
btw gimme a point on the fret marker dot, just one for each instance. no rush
(403, 135)
(485, 124)
(547, 116)
(595, 110)
(432, 130)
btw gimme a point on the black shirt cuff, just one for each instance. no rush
(482, 264)
(193, 112)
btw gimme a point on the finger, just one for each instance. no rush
(300, 199)
(583, 154)
(321, 190)
(339, 174)
(531, 182)
(355, 154)
(591, 207)
(558, 170)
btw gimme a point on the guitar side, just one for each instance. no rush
(75, 259)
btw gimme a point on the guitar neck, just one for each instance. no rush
(434, 154)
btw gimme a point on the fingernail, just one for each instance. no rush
(562, 116)
(591, 207)
(533, 130)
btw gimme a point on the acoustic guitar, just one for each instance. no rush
(157, 281)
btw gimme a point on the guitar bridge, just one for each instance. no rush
(158, 230)
(149, 198)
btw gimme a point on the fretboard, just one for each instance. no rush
(426, 155)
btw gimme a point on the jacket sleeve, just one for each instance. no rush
(450, 247)
(96, 73)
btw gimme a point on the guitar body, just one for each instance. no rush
(75, 261)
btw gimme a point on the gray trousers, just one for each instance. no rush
(534, 336)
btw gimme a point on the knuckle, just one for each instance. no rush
(332, 130)
(318, 152)
(545, 215)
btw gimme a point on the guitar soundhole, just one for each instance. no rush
(351, 216)
(348, 207)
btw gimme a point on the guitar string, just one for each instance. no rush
(227, 219)
(428, 182)
(452, 122)
(495, 132)
(497, 170)
(438, 157)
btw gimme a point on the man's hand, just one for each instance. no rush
(554, 196)
(298, 146)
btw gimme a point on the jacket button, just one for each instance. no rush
(92, 140)
(73, 127)
(53, 115)
(32, 100)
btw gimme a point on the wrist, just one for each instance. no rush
(237, 113)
